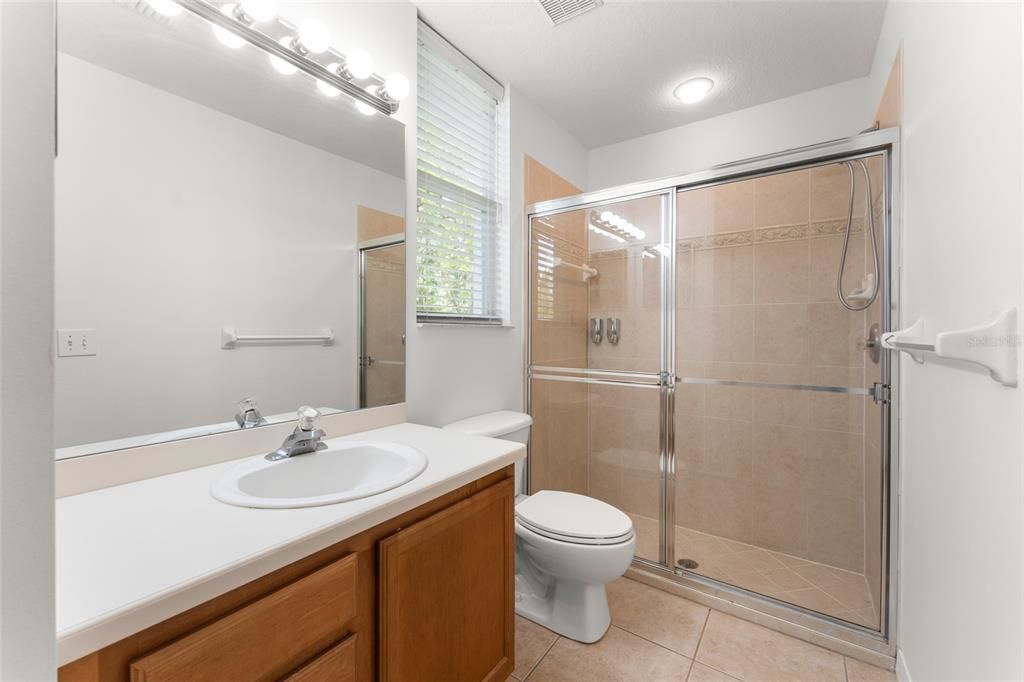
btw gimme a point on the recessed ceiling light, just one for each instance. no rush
(694, 90)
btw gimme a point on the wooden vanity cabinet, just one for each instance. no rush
(425, 596)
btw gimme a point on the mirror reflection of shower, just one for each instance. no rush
(866, 295)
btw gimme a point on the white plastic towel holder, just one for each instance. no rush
(993, 345)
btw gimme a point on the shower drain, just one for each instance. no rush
(688, 564)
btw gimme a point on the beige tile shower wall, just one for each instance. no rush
(756, 300)
(558, 454)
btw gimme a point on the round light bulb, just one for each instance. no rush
(397, 86)
(694, 90)
(640, 234)
(606, 215)
(327, 89)
(225, 36)
(259, 10)
(168, 8)
(314, 36)
(281, 66)
(359, 63)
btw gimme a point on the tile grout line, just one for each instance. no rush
(542, 657)
(651, 641)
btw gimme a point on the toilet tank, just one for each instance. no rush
(505, 425)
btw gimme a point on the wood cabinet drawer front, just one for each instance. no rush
(266, 639)
(337, 664)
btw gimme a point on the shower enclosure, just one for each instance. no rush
(703, 354)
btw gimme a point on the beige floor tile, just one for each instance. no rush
(862, 672)
(619, 657)
(752, 653)
(665, 619)
(532, 642)
(702, 673)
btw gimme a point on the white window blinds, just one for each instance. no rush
(459, 243)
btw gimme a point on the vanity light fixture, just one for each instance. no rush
(358, 63)
(295, 48)
(396, 88)
(610, 223)
(281, 66)
(226, 37)
(693, 90)
(313, 38)
(329, 90)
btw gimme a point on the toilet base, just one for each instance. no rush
(571, 608)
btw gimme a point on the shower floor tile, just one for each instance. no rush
(815, 586)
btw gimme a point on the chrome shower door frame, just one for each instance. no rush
(882, 142)
(364, 248)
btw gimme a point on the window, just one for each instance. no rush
(459, 228)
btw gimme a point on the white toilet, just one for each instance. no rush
(568, 546)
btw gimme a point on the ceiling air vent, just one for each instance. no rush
(561, 11)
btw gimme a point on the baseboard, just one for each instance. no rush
(902, 671)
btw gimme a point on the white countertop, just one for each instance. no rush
(136, 554)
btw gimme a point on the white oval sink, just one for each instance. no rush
(346, 470)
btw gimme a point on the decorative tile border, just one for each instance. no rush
(763, 235)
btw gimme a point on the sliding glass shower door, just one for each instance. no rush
(599, 293)
(704, 355)
(778, 439)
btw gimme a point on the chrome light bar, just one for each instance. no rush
(213, 14)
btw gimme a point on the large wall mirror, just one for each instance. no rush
(226, 230)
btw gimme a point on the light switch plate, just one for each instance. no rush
(76, 342)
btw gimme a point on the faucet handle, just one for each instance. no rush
(248, 413)
(309, 418)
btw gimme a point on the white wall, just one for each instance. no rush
(962, 537)
(27, 646)
(829, 113)
(456, 372)
(174, 220)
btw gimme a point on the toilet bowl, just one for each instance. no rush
(568, 546)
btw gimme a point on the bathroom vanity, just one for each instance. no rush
(412, 584)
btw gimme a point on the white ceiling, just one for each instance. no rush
(608, 75)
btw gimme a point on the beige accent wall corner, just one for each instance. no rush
(374, 224)
(558, 458)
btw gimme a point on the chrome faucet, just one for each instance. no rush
(304, 439)
(248, 414)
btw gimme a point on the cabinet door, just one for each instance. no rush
(447, 593)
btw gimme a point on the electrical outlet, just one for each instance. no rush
(76, 342)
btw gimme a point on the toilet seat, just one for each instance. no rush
(577, 519)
